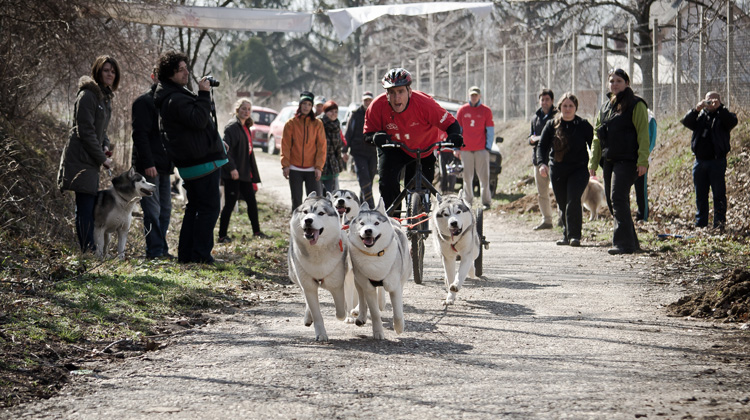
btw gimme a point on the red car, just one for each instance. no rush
(262, 119)
(276, 130)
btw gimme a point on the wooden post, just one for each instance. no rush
(549, 62)
(655, 59)
(630, 50)
(505, 85)
(485, 88)
(526, 83)
(730, 52)
(701, 50)
(573, 63)
(677, 65)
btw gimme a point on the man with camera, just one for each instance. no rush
(193, 144)
(711, 123)
(411, 117)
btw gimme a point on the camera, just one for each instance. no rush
(212, 82)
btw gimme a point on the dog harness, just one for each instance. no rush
(341, 248)
(453, 245)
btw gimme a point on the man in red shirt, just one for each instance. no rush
(411, 117)
(475, 119)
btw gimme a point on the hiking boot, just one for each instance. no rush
(544, 225)
(575, 242)
(563, 242)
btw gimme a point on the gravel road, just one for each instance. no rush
(549, 332)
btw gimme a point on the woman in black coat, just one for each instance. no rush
(241, 172)
(563, 155)
(87, 148)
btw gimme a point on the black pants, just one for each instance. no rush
(619, 177)
(201, 212)
(710, 174)
(297, 179)
(568, 185)
(85, 221)
(390, 163)
(233, 190)
(367, 167)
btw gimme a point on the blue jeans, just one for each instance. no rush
(201, 213)
(157, 210)
(85, 221)
(710, 174)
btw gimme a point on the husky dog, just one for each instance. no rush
(113, 210)
(380, 258)
(593, 198)
(317, 258)
(457, 236)
(346, 203)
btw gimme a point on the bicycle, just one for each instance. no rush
(417, 193)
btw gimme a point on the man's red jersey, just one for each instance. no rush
(473, 121)
(419, 126)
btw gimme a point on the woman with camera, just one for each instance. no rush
(87, 148)
(563, 155)
(621, 148)
(335, 156)
(241, 172)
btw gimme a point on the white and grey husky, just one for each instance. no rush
(113, 210)
(380, 258)
(593, 198)
(317, 258)
(456, 236)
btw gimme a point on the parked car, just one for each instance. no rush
(262, 119)
(276, 129)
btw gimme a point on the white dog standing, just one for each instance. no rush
(380, 258)
(593, 198)
(455, 226)
(318, 258)
(113, 210)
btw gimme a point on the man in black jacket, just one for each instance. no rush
(544, 114)
(150, 159)
(364, 154)
(194, 146)
(711, 123)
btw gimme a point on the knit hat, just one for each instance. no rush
(306, 96)
(329, 106)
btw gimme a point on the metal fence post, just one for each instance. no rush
(630, 49)
(505, 85)
(655, 59)
(526, 84)
(677, 64)
(549, 62)
(574, 64)
(432, 74)
(450, 75)
(730, 50)
(466, 81)
(419, 75)
(484, 79)
(605, 71)
(701, 50)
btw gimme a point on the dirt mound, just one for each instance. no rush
(728, 299)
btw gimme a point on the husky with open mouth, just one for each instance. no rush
(457, 236)
(318, 258)
(380, 259)
(113, 210)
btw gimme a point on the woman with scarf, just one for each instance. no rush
(335, 156)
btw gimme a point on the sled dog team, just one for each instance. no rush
(340, 246)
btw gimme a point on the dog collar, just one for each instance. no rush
(376, 254)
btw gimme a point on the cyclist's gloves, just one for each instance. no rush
(456, 139)
(380, 138)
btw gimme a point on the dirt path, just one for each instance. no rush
(549, 332)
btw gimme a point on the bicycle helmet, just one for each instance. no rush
(396, 77)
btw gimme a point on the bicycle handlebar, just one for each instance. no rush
(440, 144)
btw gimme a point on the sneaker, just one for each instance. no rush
(224, 239)
(575, 242)
(261, 235)
(563, 242)
(544, 225)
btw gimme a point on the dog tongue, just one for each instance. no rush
(314, 240)
(368, 241)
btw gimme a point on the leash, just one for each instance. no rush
(409, 226)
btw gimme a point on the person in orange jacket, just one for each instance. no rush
(303, 150)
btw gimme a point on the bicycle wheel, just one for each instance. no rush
(480, 233)
(417, 240)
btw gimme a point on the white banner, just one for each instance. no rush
(346, 21)
(227, 18)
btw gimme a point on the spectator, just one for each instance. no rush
(544, 114)
(303, 150)
(364, 154)
(87, 148)
(711, 123)
(478, 129)
(563, 156)
(336, 157)
(151, 160)
(318, 103)
(641, 187)
(193, 144)
(620, 145)
(241, 172)
(411, 117)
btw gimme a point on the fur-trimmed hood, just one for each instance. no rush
(86, 82)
